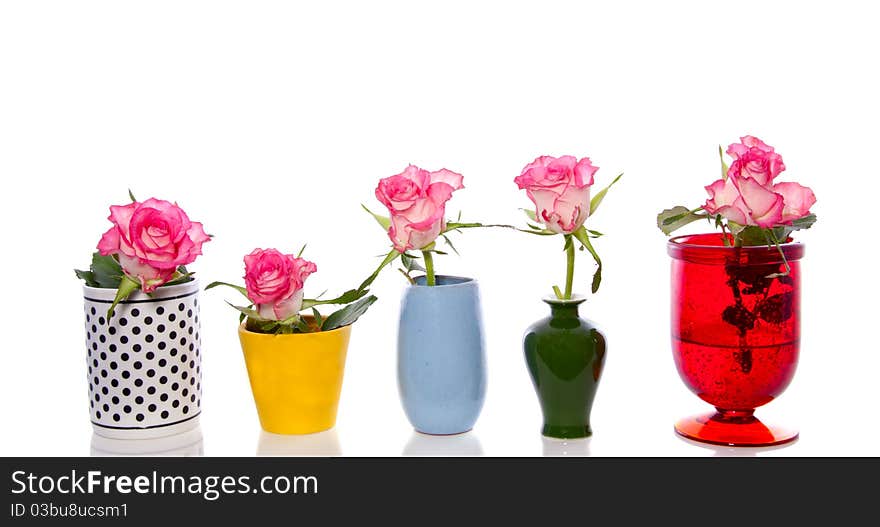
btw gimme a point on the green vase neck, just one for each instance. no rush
(564, 308)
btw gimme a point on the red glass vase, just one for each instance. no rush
(735, 334)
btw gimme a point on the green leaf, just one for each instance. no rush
(735, 228)
(349, 314)
(181, 276)
(410, 263)
(455, 225)
(105, 271)
(248, 312)
(597, 199)
(345, 298)
(584, 238)
(390, 257)
(753, 235)
(127, 286)
(543, 232)
(261, 325)
(594, 234)
(301, 324)
(724, 167)
(292, 324)
(748, 235)
(567, 244)
(677, 217)
(88, 276)
(318, 318)
(384, 221)
(238, 288)
(531, 214)
(802, 223)
(449, 243)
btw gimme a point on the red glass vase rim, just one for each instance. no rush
(709, 248)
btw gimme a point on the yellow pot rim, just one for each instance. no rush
(243, 329)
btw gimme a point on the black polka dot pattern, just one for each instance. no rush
(141, 375)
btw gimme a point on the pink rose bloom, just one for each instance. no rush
(274, 282)
(416, 200)
(749, 197)
(560, 190)
(151, 239)
(752, 158)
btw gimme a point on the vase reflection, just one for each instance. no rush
(426, 445)
(734, 451)
(186, 444)
(319, 444)
(566, 447)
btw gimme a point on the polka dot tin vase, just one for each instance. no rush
(144, 364)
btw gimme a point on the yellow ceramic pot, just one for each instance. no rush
(296, 379)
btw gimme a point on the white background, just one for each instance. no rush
(270, 122)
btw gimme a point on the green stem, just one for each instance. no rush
(429, 268)
(569, 272)
(772, 238)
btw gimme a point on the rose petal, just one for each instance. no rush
(764, 204)
(406, 235)
(109, 243)
(419, 176)
(398, 192)
(453, 179)
(797, 199)
(583, 173)
(545, 203)
(286, 308)
(753, 142)
(725, 199)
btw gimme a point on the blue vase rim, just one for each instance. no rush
(444, 281)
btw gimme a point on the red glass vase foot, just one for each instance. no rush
(733, 429)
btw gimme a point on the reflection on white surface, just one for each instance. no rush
(323, 444)
(425, 445)
(735, 451)
(189, 443)
(566, 447)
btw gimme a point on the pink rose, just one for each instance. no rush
(151, 239)
(749, 197)
(416, 200)
(560, 190)
(274, 282)
(754, 159)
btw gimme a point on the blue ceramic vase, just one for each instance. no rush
(441, 357)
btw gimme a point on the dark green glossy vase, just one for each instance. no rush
(565, 355)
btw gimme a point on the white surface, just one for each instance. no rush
(271, 122)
